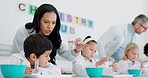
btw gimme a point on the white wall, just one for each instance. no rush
(104, 13)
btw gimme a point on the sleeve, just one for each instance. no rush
(79, 68)
(18, 41)
(18, 58)
(50, 69)
(13, 60)
(123, 66)
(106, 39)
(137, 64)
(66, 53)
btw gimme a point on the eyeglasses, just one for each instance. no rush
(143, 26)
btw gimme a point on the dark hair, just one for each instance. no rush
(90, 40)
(86, 38)
(54, 36)
(146, 49)
(140, 19)
(37, 44)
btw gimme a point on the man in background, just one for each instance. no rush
(114, 40)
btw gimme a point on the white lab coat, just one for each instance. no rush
(23, 33)
(145, 66)
(124, 65)
(112, 39)
(19, 58)
(80, 63)
(146, 63)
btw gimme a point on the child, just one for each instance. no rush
(37, 48)
(146, 50)
(86, 59)
(130, 59)
(144, 63)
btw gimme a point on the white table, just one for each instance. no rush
(69, 76)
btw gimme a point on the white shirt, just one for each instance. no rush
(79, 65)
(19, 58)
(144, 66)
(81, 62)
(112, 39)
(124, 65)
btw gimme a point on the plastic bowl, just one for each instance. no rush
(134, 72)
(94, 72)
(12, 70)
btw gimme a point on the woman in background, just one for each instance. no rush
(46, 21)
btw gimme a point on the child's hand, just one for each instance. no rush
(115, 67)
(78, 43)
(28, 70)
(144, 64)
(102, 61)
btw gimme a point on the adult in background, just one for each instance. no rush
(115, 39)
(46, 21)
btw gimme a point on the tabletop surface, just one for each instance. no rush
(69, 76)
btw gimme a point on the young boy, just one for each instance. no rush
(37, 50)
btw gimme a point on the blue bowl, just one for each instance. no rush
(12, 70)
(134, 72)
(94, 72)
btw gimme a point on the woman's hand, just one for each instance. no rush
(78, 45)
(28, 70)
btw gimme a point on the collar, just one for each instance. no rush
(131, 29)
(85, 58)
(131, 62)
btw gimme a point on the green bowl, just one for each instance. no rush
(94, 72)
(12, 70)
(134, 72)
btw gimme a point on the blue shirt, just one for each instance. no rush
(119, 54)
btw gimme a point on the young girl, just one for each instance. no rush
(129, 61)
(86, 59)
(37, 49)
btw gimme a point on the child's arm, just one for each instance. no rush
(102, 61)
(123, 66)
(144, 64)
(79, 68)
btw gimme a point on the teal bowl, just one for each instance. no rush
(134, 72)
(94, 72)
(12, 70)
